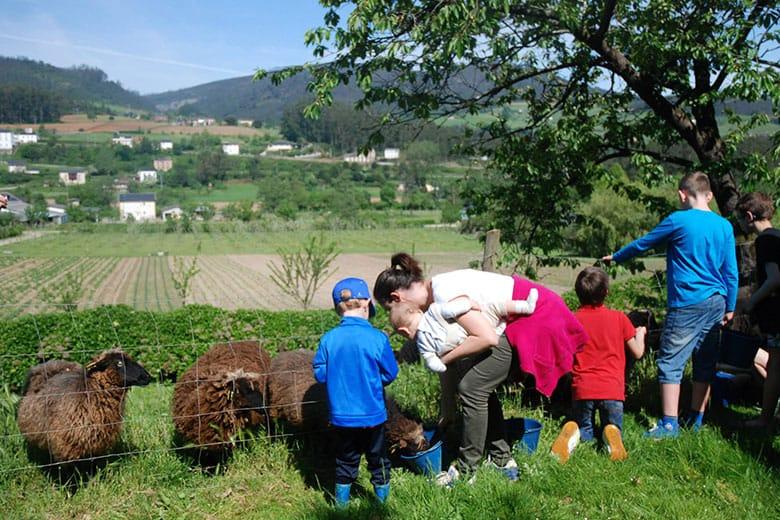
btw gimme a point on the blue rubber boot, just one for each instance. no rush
(342, 495)
(382, 492)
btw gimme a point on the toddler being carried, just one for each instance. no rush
(436, 330)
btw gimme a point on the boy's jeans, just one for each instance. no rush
(691, 330)
(584, 412)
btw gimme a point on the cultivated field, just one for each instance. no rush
(80, 123)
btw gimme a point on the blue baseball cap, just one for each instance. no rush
(350, 288)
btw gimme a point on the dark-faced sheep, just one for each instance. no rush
(77, 413)
(295, 397)
(221, 393)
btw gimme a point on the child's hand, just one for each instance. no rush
(475, 305)
(607, 259)
(641, 332)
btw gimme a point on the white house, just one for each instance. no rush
(73, 176)
(279, 146)
(123, 140)
(230, 148)
(367, 158)
(392, 154)
(141, 206)
(166, 145)
(25, 139)
(57, 214)
(245, 122)
(163, 164)
(172, 213)
(16, 166)
(6, 141)
(146, 176)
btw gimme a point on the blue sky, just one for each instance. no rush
(153, 46)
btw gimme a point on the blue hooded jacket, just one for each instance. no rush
(355, 362)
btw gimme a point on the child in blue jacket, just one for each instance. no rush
(355, 362)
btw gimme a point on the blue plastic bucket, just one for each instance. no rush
(721, 394)
(738, 349)
(427, 462)
(525, 431)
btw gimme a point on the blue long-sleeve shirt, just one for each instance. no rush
(355, 362)
(701, 256)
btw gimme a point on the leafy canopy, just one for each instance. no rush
(589, 82)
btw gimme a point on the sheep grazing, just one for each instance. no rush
(296, 398)
(38, 375)
(76, 414)
(221, 394)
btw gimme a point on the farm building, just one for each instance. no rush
(163, 164)
(16, 166)
(171, 213)
(121, 185)
(146, 176)
(56, 213)
(230, 148)
(280, 146)
(25, 139)
(6, 141)
(122, 140)
(392, 154)
(14, 205)
(362, 158)
(73, 177)
(139, 206)
(245, 122)
(166, 145)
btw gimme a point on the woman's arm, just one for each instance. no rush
(481, 336)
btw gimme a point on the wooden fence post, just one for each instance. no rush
(492, 243)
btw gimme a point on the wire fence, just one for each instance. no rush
(71, 408)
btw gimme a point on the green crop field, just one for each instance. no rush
(143, 244)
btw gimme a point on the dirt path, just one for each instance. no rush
(27, 235)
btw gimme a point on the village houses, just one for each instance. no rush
(122, 140)
(139, 206)
(166, 145)
(15, 166)
(230, 148)
(73, 176)
(6, 141)
(362, 158)
(163, 164)
(280, 146)
(146, 176)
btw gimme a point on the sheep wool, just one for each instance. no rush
(222, 393)
(76, 414)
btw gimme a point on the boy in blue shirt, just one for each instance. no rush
(355, 362)
(701, 278)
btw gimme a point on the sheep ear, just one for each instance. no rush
(99, 364)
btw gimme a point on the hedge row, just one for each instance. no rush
(166, 343)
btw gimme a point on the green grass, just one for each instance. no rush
(229, 192)
(697, 476)
(143, 244)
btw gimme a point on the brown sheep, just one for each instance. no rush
(294, 396)
(221, 393)
(77, 413)
(38, 375)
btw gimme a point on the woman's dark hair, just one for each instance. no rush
(402, 273)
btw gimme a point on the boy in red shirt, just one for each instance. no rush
(598, 375)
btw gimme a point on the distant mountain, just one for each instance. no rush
(82, 85)
(243, 98)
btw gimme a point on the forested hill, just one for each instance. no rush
(243, 98)
(79, 85)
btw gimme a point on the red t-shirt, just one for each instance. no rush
(599, 368)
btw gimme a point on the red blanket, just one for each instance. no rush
(546, 340)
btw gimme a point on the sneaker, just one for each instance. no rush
(614, 443)
(690, 422)
(566, 441)
(510, 470)
(447, 478)
(663, 430)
